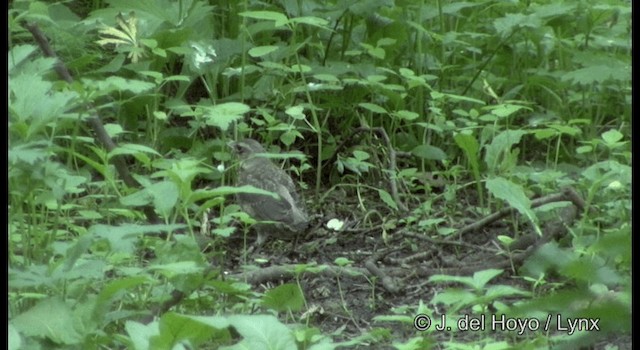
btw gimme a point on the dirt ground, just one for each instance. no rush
(391, 262)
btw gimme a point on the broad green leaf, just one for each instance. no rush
(514, 195)
(284, 298)
(177, 268)
(505, 110)
(611, 137)
(30, 153)
(14, 339)
(429, 152)
(132, 149)
(19, 54)
(262, 332)
(314, 21)
(598, 74)
(500, 146)
(295, 112)
(260, 51)
(224, 114)
(326, 77)
(481, 278)
(50, 318)
(300, 68)
(114, 83)
(567, 129)
(279, 18)
(140, 334)
(372, 107)
(165, 196)
(176, 330)
(406, 115)
(439, 95)
(471, 148)
(387, 199)
(112, 289)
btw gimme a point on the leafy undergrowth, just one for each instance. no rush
(463, 161)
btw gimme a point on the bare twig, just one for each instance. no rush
(393, 187)
(567, 194)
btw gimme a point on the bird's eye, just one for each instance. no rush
(243, 150)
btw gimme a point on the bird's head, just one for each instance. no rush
(246, 148)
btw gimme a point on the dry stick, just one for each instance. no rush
(434, 242)
(94, 121)
(274, 273)
(389, 284)
(392, 166)
(568, 194)
(552, 230)
(393, 187)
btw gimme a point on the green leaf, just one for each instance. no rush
(300, 68)
(123, 238)
(439, 95)
(611, 137)
(406, 115)
(500, 146)
(14, 341)
(262, 332)
(326, 77)
(112, 289)
(260, 51)
(279, 18)
(137, 199)
(19, 54)
(30, 153)
(591, 271)
(287, 297)
(50, 318)
(429, 152)
(224, 114)
(372, 107)
(387, 199)
(114, 65)
(177, 268)
(132, 149)
(505, 110)
(140, 334)
(481, 278)
(470, 146)
(76, 250)
(510, 22)
(296, 112)
(176, 330)
(165, 196)
(120, 84)
(514, 195)
(314, 21)
(598, 74)
(223, 231)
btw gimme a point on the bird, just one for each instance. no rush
(287, 212)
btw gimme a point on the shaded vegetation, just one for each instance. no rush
(466, 159)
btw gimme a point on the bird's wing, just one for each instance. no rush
(264, 207)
